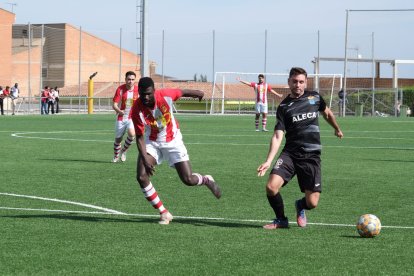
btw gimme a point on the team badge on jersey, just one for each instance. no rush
(311, 100)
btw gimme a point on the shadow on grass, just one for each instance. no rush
(389, 160)
(351, 236)
(189, 221)
(75, 160)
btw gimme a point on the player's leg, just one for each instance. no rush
(149, 190)
(282, 171)
(195, 179)
(275, 200)
(257, 116)
(309, 178)
(120, 129)
(264, 121)
(128, 140)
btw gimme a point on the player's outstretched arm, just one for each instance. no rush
(193, 93)
(242, 81)
(330, 118)
(277, 94)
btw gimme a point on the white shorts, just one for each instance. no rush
(173, 152)
(122, 126)
(261, 108)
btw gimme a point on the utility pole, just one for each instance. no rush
(12, 6)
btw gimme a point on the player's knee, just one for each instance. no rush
(142, 179)
(271, 189)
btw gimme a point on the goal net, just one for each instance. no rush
(230, 96)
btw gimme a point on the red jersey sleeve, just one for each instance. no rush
(117, 96)
(269, 88)
(252, 84)
(173, 93)
(134, 114)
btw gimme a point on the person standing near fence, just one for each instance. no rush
(44, 96)
(1, 100)
(261, 89)
(4, 94)
(56, 93)
(125, 96)
(14, 95)
(297, 117)
(51, 101)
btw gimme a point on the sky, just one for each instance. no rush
(249, 36)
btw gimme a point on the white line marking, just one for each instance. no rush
(67, 202)
(192, 218)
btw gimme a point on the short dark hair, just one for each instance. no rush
(260, 76)
(144, 83)
(297, 71)
(129, 73)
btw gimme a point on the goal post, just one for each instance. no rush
(230, 96)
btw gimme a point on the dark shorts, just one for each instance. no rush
(307, 167)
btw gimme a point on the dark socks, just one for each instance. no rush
(276, 202)
(302, 204)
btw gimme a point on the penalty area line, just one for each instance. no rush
(187, 217)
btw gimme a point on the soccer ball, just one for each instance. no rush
(368, 226)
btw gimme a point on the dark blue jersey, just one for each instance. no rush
(299, 119)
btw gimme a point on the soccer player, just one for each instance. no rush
(261, 88)
(159, 138)
(297, 116)
(125, 94)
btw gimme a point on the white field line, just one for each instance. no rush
(24, 135)
(66, 202)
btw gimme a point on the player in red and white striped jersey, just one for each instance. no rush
(159, 138)
(125, 96)
(261, 88)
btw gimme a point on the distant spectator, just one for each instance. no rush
(4, 94)
(44, 99)
(398, 108)
(1, 100)
(51, 101)
(14, 94)
(56, 92)
(341, 95)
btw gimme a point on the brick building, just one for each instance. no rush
(58, 55)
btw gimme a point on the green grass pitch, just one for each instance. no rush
(65, 209)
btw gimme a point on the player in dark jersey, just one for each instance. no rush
(297, 117)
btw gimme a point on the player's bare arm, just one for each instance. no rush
(149, 168)
(193, 93)
(273, 149)
(242, 81)
(277, 94)
(117, 109)
(330, 118)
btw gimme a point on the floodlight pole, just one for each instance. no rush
(144, 40)
(345, 64)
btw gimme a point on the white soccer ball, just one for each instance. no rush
(368, 226)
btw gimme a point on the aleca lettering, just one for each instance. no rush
(304, 116)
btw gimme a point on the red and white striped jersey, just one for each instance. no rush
(157, 124)
(127, 98)
(261, 91)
